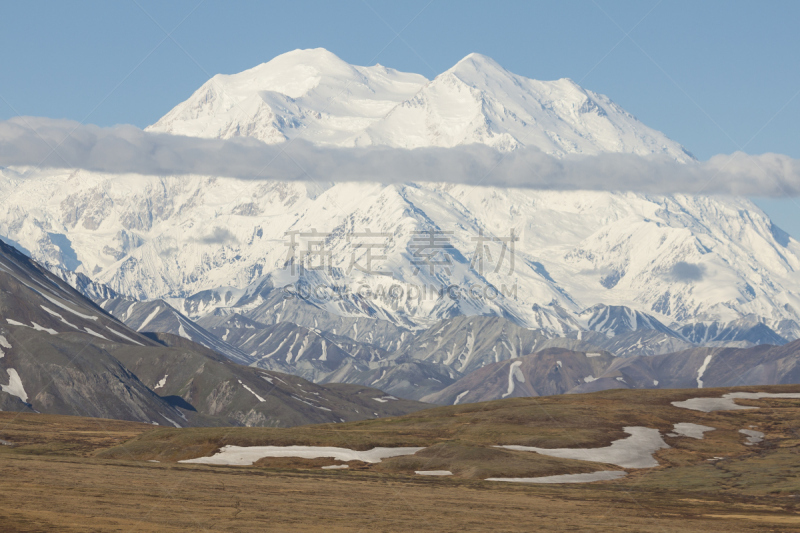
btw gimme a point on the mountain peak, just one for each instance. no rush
(308, 56)
(316, 94)
(475, 62)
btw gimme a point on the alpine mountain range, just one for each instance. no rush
(211, 258)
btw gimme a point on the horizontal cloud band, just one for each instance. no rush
(41, 142)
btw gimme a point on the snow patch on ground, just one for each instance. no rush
(14, 386)
(727, 403)
(702, 370)
(385, 399)
(118, 334)
(514, 372)
(172, 422)
(35, 326)
(149, 318)
(433, 472)
(260, 399)
(753, 437)
(603, 475)
(687, 429)
(65, 308)
(460, 397)
(58, 316)
(635, 451)
(335, 467)
(247, 455)
(3, 344)
(90, 332)
(162, 382)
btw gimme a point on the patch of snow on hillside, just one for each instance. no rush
(247, 455)
(90, 332)
(3, 344)
(514, 372)
(118, 334)
(58, 316)
(702, 370)
(14, 386)
(727, 403)
(753, 437)
(66, 308)
(260, 399)
(635, 451)
(149, 318)
(686, 429)
(460, 397)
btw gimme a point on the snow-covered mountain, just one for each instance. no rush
(311, 93)
(205, 243)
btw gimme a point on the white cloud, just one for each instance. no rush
(28, 141)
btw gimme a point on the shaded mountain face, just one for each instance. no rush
(62, 354)
(204, 243)
(549, 372)
(54, 354)
(559, 371)
(747, 331)
(713, 367)
(157, 316)
(224, 393)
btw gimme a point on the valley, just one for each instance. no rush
(106, 470)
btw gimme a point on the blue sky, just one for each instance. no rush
(717, 76)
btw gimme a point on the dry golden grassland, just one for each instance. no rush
(78, 474)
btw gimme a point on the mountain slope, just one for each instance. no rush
(559, 371)
(62, 354)
(54, 354)
(199, 380)
(311, 93)
(478, 101)
(546, 373)
(157, 316)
